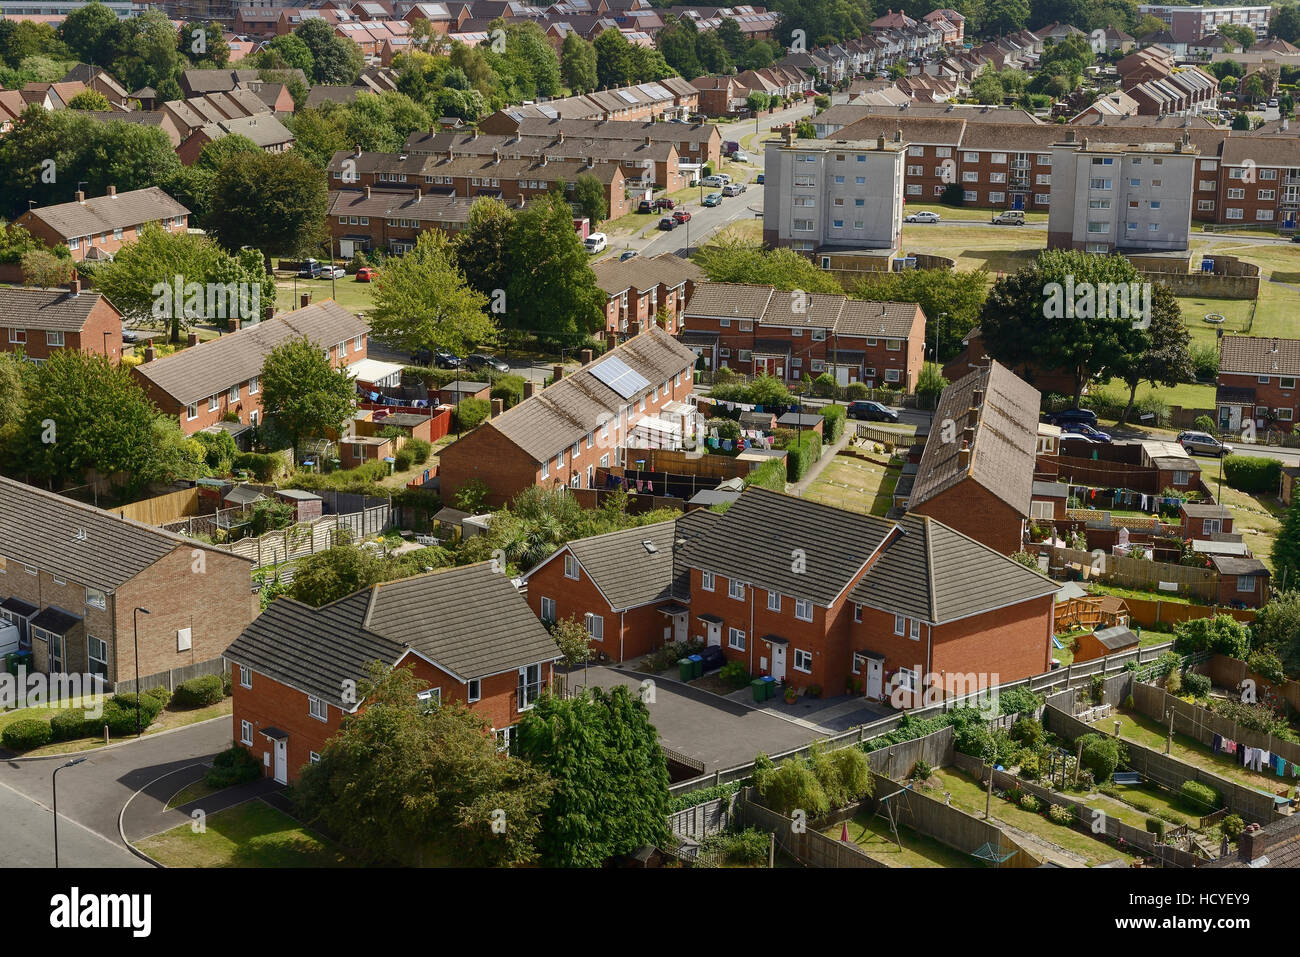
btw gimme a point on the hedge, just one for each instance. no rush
(1200, 799)
(149, 706)
(419, 450)
(403, 460)
(198, 692)
(470, 412)
(1251, 473)
(233, 766)
(801, 453)
(833, 419)
(262, 466)
(26, 734)
(509, 388)
(72, 723)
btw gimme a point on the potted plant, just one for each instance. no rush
(791, 695)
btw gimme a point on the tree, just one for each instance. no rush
(578, 64)
(1220, 635)
(204, 43)
(589, 195)
(302, 393)
(1057, 314)
(423, 301)
(1159, 353)
(275, 203)
(614, 59)
(336, 60)
(1241, 35)
(289, 51)
(482, 247)
(149, 56)
(950, 299)
(611, 792)
(335, 573)
(408, 784)
(1286, 23)
(88, 30)
(757, 101)
(987, 88)
(89, 100)
(1286, 548)
(1275, 625)
(1241, 121)
(731, 258)
(44, 269)
(573, 640)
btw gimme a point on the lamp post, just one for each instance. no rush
(54, 785)
(135, 624)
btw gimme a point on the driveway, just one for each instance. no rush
(720, 732)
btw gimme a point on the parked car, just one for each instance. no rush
(1082, 428)
(422, 356)
(665, 203)
(1086, 416)
(725, 177)
(331, 272)
(713, 199)
(645, 206)
(481, 360)
(713, 181)
(629, 254)
(445, 359)
(924, 216)
(872, 411)
(309, 268)
(667, 224)
(738, 156)
(596, 243)
(367, 274)
(732, 189)
(759, 179)
(1202, 443)
(128, 335)
(681, 216)
(1295, 237)
(1009, 217)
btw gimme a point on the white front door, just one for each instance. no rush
(715, 633)
(874, 676)
(679, 627)
(282, 761)
(778, 661)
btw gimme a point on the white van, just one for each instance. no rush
(596, 243)
(1010, 217)
(8, 639)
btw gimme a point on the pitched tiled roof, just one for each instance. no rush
(471, 621)
(212, 367)
(1255, 355)
(626, 572)
(644, 272)
(1006, 434)
(891, 320)
(937, 574)
(729, 300)
(106, 213)
(55, 310)
(77, 541)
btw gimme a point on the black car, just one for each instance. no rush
(481, 360)
(872, 411)
(1084, 416)
(666, 224)
(422, 357)
(445, 359)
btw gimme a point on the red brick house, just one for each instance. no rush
(39, 322)
(1257, 383)
(560, 435)
(627, 587)
(646, 289)
(71, 575)
(203, 383)
(97, 228)
(466, 633)
(761, 330)
(821, 596)
(977, 471)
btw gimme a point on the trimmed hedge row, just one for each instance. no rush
(803, 450)
(1252, 473)
(119, 715)
(833, 419)
(199, 692)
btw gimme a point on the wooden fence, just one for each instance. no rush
(162, 509)
(874, 433)
(1231, 672)
(703, 820)
(307, 538)
(1136, 572)
(802, 840)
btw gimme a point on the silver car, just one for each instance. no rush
(1202, 443)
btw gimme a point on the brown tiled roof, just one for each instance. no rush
(728, 300)
(106, 213)
(643, 273)
(891, 320)
(55, 310)
(1255, 355)
(212, 367)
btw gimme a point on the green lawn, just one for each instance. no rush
(252, 834)
(347, 292)
(874, 836)
(855, 484)
(168, 719)
(995, 248)
(1256, 517)
(191, 792)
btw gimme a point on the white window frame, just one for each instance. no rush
(595, 625)
(543, 605)
(245, 676)
(735, 589)
(800, 655)
(246, 732)
(706, 581)
(318, 708)
(773, 600)
(571, 562)
(803, 609)
(735, 639)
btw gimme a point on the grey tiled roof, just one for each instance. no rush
(106, 213)
(212, 367)
(1006, 435)
(1255, 355)
(625, 571)
(44, 530)
(937, 574)
(1115, 637)
(55, 310)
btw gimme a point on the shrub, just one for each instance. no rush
(199, 692)
(734, 674)
(509, 388)
(857, 390)
(1029, 766)
(233, 766)
(1196, 685)
(149, 706)
(1101, 755)
(1060, 814)
(470, 412)
(1232, 825)
(1155, 826)
(1019, 701)
(1251, 473)
(1265, 663)
(790, 786)
(1222, 635)
(801, 453)
(1174, 683)
(1198, 798)
(27, 733)
(1030, 803)
(833, 419)
(1028, 732)
(227, 684)
(921, 771)
(748, 847)
(403, 460)
(72, 723)
(161, 694)
(419, 450)
(261, 465)
(1175, 819)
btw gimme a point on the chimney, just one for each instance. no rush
(496, 156)
(232, 324)
(304, 300)
(968, 435)
(498, 406)
(1253, 844)
(880, 142)
(74, 288)
(268, 312)
(560, 139)
(789, 135)
(977, 398)
(367, 192)
(150, 353)
(611, 342)
(192, 339)
(112, 192)
(898, 135)
(356, 151)
(647, 141)
(633, 328)
(973, 416)
(416, 194)
(557, 373)
(81, 197)
(963, 455)
(529, 388)
(585, 356)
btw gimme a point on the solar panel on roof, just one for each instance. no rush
(626, 95)
(616, 374)
(548, 111)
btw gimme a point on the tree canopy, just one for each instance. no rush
(302, 393)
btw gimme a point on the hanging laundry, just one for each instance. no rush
(1280, 763)
(1229, 745)
(1217, 743)
(1262, 758)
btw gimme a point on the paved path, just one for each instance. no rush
(147, 813)
(827, 456)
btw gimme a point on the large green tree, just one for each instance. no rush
(578, 64)
(423, 301)
(731, 258)
(483, 246)
(405, 784)
(1157, 353)
(950, 299)
(275, 203)
(1286, 548)
(302, 394)
(611, 793)
(335, 59)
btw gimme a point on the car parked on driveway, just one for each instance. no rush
(759, 179)
(645, 206)
(445, 359)
(367, 274)
(596, 243)
(1202, 443)
(924, 216)
(713, 199)
(872, 411)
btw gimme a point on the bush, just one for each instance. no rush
(470, 412)
(921, 771)
(509, 388)
(27, 733)
(261, 465)
(1060, 814)
(419, 450)
(1198, 798)
(1174, 683)
(72, 723)
(1250, 473)
(1266, 664)
(734, 674)
(748, 847)
(1155, 826)
(1029, 766)
(235, 765)
(199, 692)
(149, 707)
(1206, 424)
(1101, 755)
(1019, 701)
(1197, 685)
(1030, 803)
(833, 419)
(1222, 635)
(953, 195)
(857, 391)
(161, 694)
(1028, 732)
(227, 684)
(403, 460)
(801, 454)
(792, 786)
(1232, 825)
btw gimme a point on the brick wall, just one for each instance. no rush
(973, 510)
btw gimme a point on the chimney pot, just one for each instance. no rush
(963, 455)
(557, 373)
(529, 388)
(498, 406)
(74, 288)
(192, 339)
(304, 300)
(150, 353)
(112, 192)
(611, 342)
(585, 356)
(367, 192)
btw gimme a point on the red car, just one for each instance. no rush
(665, 203)
(366, 274)
(682, 216)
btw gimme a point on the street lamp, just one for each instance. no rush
(54, 785)
(135, 624)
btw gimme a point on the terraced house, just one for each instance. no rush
(645, 289)
(72, 577)
(40, 322)
(829, 598)
(98, 227)
(466, 634)
(1257, 383)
